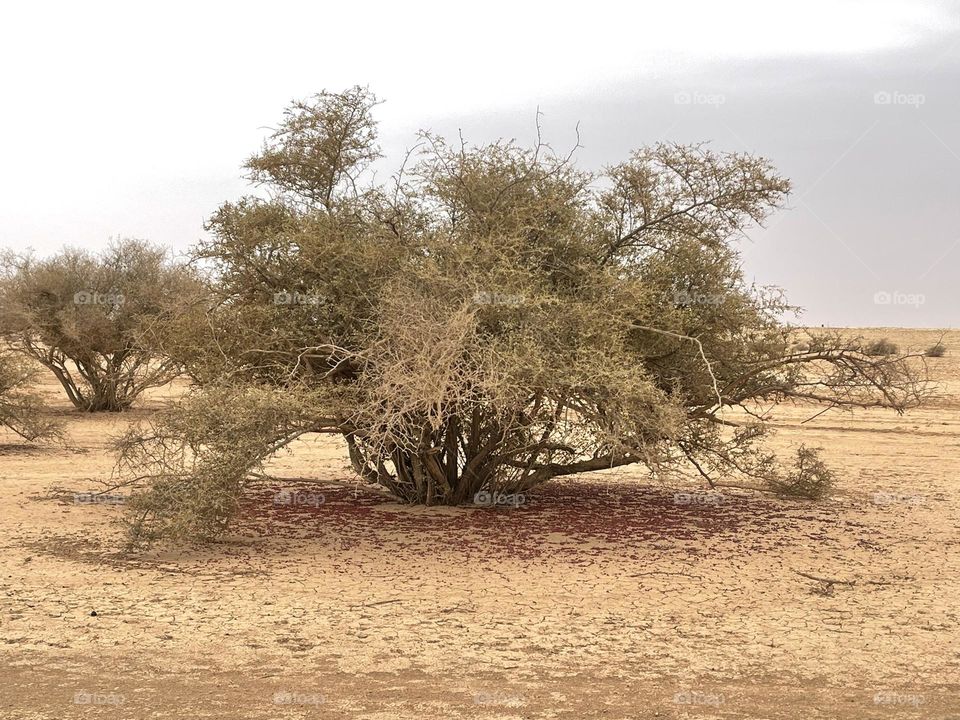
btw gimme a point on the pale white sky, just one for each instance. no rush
(129, 119)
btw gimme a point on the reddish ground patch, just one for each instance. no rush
(574, 517)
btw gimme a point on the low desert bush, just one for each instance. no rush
(21, 409)
(881, 347)
(809, 479)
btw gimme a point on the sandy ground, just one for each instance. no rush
(602, 597)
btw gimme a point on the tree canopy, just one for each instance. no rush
(92, 320)
(488, 318)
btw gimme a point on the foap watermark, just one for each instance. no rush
(887, 697)
(692, 297)
(896, 297)
(487, 297)
(693, 697)
(495, 499)
(88, 698)
(98, 499)
(285, 497)
(886, 498)
(91, 297)
(296, 298)
(297, 698)
(495, 697)
(895, 97)
(697, 499)
(765, 297)
(692, 97)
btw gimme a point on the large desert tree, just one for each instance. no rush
(487, 319)
(87, 317)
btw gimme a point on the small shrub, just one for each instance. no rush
(21, 410)
(881, 347)
(938, 350)
(810, 479)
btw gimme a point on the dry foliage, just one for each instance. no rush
(21, 410)
(488, 319)
(882, 346)
(90, 319)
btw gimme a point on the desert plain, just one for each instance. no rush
(607, 595)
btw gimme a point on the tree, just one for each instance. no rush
(490, 318)
(86, 318)
(21, 410)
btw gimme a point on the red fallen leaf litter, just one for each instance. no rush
(574, 517)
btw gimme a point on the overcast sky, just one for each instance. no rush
(133, 120)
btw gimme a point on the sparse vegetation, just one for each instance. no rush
(391, 424)
(809, 478)
(21, 409)
(882, 347)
